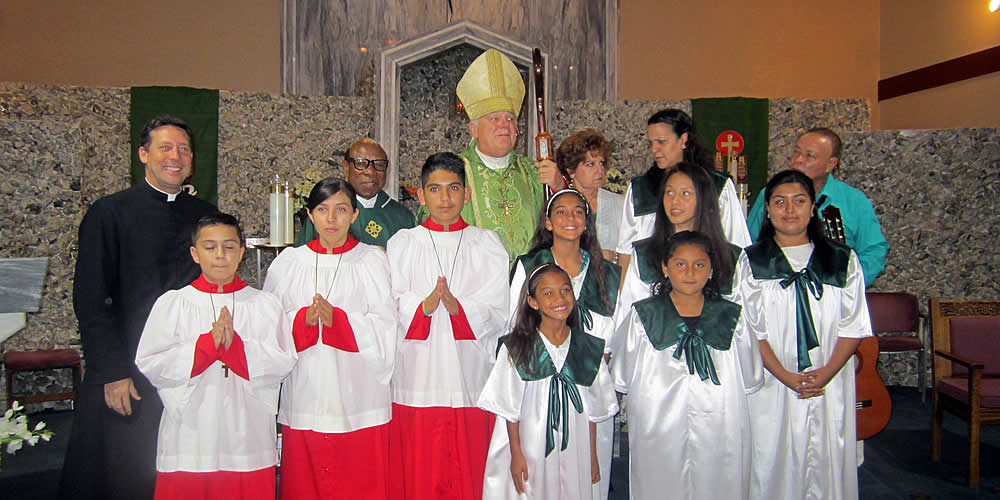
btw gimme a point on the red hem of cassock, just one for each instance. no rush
(438, 453)
(219, 485)
(319, 465)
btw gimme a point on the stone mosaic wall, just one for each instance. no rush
(63, 147)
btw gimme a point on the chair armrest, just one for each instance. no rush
(971, 364)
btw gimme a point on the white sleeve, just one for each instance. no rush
(504, 390)
(734, 223)
(516, 282)
(753, 300)
(628, 232)
(375, 326)
(633, 290)
(487, 307)
(854, 319)
(624, 363)
(164, 356)
(600, 398)
(748, 354)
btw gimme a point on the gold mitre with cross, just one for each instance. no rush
(491, 83)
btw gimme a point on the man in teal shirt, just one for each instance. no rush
(816, 154)
(379, 216)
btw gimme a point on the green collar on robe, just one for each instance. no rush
(665, 327)
(646, 190)
(649, 275)
(768, 262)
(582, 363)
(590, 296)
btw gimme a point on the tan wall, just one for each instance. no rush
(226, 44)
(674, 49)
(919, 33)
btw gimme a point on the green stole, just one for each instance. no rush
(768, 262)
(590, 296)
(582, 362)
(649, 274)
(665, 327)
(646, 190)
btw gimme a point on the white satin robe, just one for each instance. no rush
(213, 422)
(331, 390)
(563, 475)
(688, 438)
(734, 223)
(603, 327)
(805, 448)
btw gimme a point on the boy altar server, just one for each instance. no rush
(216, 351)
(449, 280)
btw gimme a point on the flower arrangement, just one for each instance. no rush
(310, 176)
(14, 430)
(616, 182)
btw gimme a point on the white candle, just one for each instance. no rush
(277, 213)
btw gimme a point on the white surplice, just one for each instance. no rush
(805, 448)
(603, 327)
(688, 438)
(563, 474)
(216, 420)
(734, 224)
(442, 371)
(608, 217)
(332, 390)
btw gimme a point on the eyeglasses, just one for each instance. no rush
(361, 164)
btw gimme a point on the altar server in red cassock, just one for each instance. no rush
(449, 280)
(216, 351)
(336, 404)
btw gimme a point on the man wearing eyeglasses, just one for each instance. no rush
(379, 216)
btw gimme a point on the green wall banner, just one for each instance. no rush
(740, 125)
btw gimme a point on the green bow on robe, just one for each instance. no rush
(665, 327)
(767, 261)
(589, 301)
(582, 362)
(650, 274)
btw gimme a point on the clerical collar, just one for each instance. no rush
(369, 203)
(170, 196)
(202, 285)
(434, 226)
(493, 163)
(349, 245)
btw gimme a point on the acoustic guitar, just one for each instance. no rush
(874, 407)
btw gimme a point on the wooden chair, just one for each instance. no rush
(896, 312)
(966, 370)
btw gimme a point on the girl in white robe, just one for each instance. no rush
(550, 385)
(336, 403)
(680, 208)
(566, 237)
(687, 364)
(805, 302)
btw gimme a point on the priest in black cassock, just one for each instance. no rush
(134, 246)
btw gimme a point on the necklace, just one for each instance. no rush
(438, 257)
(335, 273)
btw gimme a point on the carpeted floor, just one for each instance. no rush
(897, 461)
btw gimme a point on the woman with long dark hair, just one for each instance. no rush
(672, 139)
(804, 298)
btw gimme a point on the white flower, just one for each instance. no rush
(13, 446)
(40, 426)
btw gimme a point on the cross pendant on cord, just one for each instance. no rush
(225, 368)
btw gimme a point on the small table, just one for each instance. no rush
(260, 244)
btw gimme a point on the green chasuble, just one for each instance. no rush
(590, 297)
(373, 226)
(649, 274)
(582, 363)
(768, 262)
(665, 327)
(507, 201)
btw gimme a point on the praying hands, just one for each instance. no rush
(222, 329)
(441, 295)
(320, 310)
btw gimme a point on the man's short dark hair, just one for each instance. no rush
(145, 137)
(831, 136)
(449, 162)
(216, 219)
